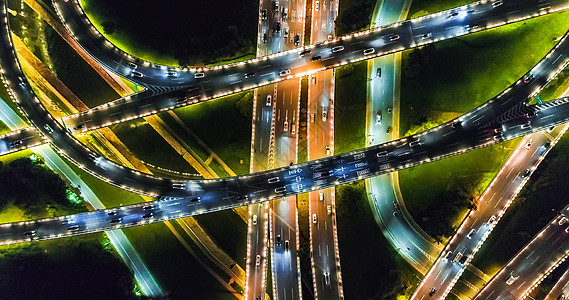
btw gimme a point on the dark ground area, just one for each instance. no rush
(194, 32)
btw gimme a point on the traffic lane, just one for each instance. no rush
(441, 24)
(480, 221)
(256, 246)
(530, 263)
(372, 161)
(287, 273)
(19, 140)
(262, 118)
(560, 289)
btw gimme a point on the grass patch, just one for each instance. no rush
(178, 272)
(350, 107)
(432, 200)
(353, 16)
(424, 7)
(146, 144)
(457, 75)
(539, 201)
(178, 32)
(224, 125)
(230, 235)
(384, 274)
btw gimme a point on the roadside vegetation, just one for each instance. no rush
(350, 107)
(178, 32)
(61, 268)
(445, 80)
(353, 16)
(371, 268)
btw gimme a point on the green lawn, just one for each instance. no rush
(350, 107)
(353, 16)
(539, 201)
(371, 268)
(224, 125)
(228, 231)
(149, 146)
(193, 32)
(461, 73)
(460, 83)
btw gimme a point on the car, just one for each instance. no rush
(269, 100)
(498, 137)
(148, 207)
(274, 179)
(471, 233)
(48, 129)
(324, 115)
(276, 6)
(286, 245)
(80, 126)
(327, 278)
(528, 78)
(312, 117)
(328, 150)
(285, 34)
(115, 221)
(453, 14)
(497, 3)
(321, 196)
(567, 230)
(16, 143)
(492, 220)
(258, 260)
(148, 215)
(112, 213)
(330, 37)
(313, 79)
(316, 5)
(199, 75)
(264, 14)
(526, 125)
(196, 199)
(378, 117)
(284, 12)
(455, 124)
(179, 186)
(457, 257)
(369, 51)
(73, 228)
(394, 37)
(550, 129)
(249, 75)
(284, 72)
(414, 143)
(132, 65)
(285, 126)
(329, 209)
(470, 11)
(30, 233)
(172, 74)
(265, 37)
(137, 74)
(316, 57)
(314, 219)
(378, 73)
(530, 142)
(278, 239)
(293, 129)
(304, 52)
(526, 173)
(427, 35)
(395, 214)
(337, 49)
(297, 40)
(447, 256)
(278, 27)
(512, 279)
(432, 292)
(254, 219)
(563, 220)
(388, 129)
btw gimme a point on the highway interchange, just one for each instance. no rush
(502, 118)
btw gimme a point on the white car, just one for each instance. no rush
(284, 72)
(285, 127)
(324, 115)
(327, 150)
(312, 115)
(254, 219)
(322, 198)
(269, 100)
(329, 209)
(314, 219)
(316, 5)
(530, 142)
(258, 260)
(378, 117)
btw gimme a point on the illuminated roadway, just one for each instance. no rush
(531, 264)
(443, 141)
